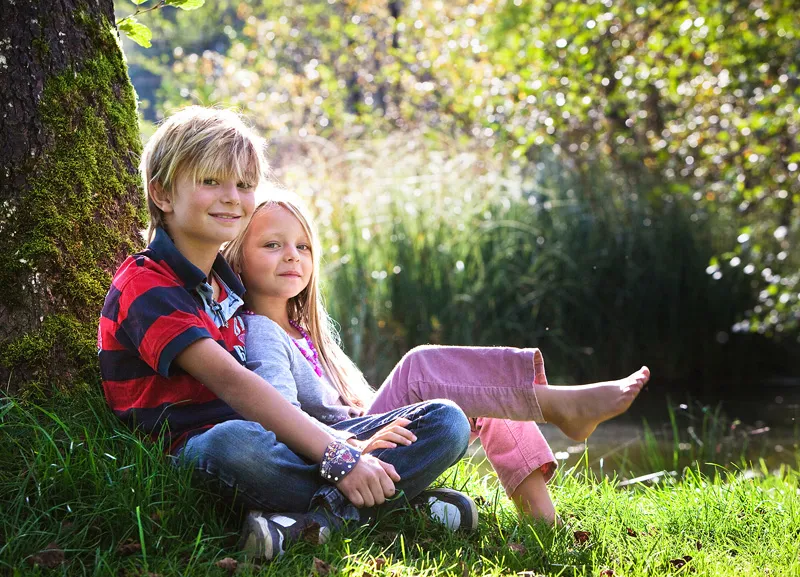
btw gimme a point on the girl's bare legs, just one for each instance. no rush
(577, 410)
(532, 498)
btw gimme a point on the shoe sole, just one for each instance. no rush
(457, 496)
(255, 525)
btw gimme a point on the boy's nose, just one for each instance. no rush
(230, 194)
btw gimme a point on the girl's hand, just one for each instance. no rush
(393, 434)
(369, 483)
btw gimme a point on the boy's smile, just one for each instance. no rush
(201, 216)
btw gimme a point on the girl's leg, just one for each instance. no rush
(523, 461)
(497, 382)
(483, 381)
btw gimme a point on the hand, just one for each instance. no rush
(393, 434)
(369, 483)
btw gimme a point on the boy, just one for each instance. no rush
(172, 354)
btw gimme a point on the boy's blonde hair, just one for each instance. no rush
(199, 142)
(307, 308)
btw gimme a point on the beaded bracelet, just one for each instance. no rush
(338, 460)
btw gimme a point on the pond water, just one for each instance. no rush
(758, 431)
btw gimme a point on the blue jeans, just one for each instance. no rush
(265, 474)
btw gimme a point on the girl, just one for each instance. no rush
(502, 390)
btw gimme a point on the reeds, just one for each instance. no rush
(604, 271)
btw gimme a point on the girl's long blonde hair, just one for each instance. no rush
(308, 309)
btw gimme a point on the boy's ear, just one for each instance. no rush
(161, 198)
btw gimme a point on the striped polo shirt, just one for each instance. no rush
(158, 304)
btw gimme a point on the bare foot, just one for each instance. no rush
(577, 410)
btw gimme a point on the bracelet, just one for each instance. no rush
(338, 460)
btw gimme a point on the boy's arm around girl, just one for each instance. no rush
(370, 483)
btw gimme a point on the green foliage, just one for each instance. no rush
(113, 504)
(703, 94)
(139, 32)
(136, 31)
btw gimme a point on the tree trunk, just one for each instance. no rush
(71, 205)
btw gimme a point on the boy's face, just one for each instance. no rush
(276, 255)
(208, 213)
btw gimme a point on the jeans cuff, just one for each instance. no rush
(334, 502)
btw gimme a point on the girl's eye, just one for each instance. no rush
(303, 247)
(244, 185)
(271, 245)
(210, 181)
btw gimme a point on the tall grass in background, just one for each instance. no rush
(604, 271)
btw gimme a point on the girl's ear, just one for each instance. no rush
(161, 198)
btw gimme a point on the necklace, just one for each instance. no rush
(312, 357)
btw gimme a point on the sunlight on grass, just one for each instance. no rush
(74, 478)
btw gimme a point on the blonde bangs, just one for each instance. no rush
(198, 143)
(222, 157)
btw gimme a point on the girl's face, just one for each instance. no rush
(276, 255)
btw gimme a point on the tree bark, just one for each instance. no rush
(71, 204)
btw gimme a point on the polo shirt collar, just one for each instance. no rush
(164, 249)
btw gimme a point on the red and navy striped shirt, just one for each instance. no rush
(156, 307)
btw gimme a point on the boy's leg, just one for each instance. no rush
(261, 472)
(442, 432)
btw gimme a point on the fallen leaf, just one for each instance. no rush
(320, 567)
(518, 548)
(227, 564)
(481, 501)
(50, 557)
(581, 536)
(379, 563)
(631, 533)
(310, 533)
(366, 574)
(699, 545)
(678, 563)
(464, 569)
(606, 573)
(128, 547)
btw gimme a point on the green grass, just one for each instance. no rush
(115, 506)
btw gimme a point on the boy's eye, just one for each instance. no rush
(271, 245)
(244, 185)
(209, 181)
(303, 247)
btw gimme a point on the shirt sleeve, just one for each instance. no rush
(159, 319)
(270, 355)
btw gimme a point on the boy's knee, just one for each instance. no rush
(233, 445)
(451, 422)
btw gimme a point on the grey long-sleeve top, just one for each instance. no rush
(273, 356)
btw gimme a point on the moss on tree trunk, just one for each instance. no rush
(72, 205)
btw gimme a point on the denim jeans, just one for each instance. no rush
(265, 474)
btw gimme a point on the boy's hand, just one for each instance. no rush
(393, 434)
(369, 483)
